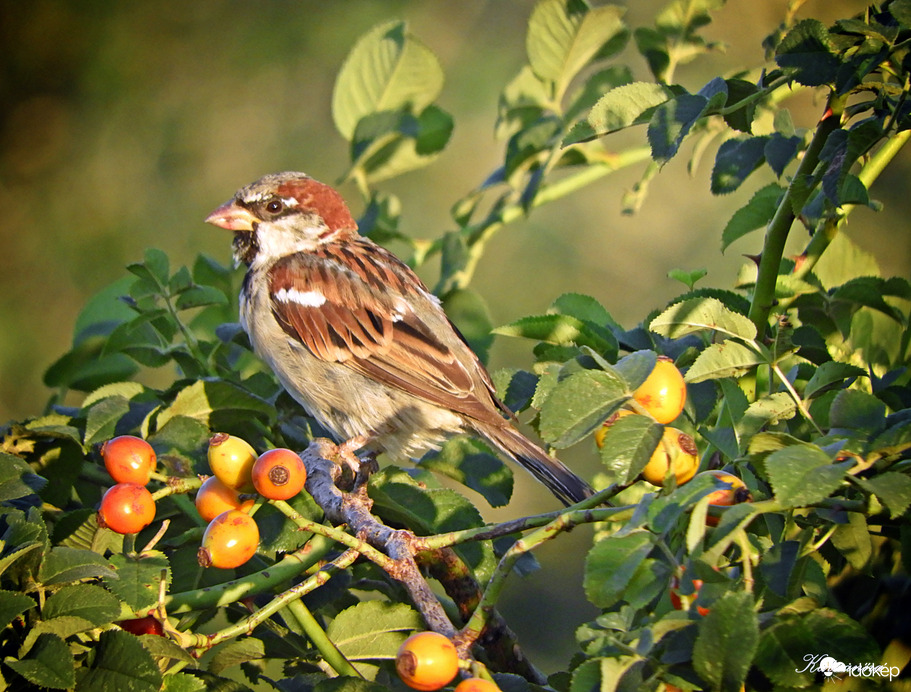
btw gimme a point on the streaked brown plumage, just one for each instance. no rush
(356, 338)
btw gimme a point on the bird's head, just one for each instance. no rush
(280, 214)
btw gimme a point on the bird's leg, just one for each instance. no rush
(347, 449)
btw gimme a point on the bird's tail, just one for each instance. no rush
(562, 482)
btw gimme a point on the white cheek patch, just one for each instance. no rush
(307, 299)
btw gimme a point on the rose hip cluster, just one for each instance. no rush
(224, 499)
(663, 396)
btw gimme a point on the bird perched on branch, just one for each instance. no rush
(354, 335)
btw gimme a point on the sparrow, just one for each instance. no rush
(356, 338)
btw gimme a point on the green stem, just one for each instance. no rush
(317, 635)
(249, 623)
(368, 551)
(780, 226)
(288, 567)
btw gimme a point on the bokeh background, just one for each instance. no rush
(123, 124)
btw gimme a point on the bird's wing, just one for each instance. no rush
(358, 305)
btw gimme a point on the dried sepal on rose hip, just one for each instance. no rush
(229, 541)
(729, 490)
(129, 459)
(231, 460)
(676, 453)
(427, 661)
(279, 474)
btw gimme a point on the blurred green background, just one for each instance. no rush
(123, 124)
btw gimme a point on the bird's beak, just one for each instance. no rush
(232, 217)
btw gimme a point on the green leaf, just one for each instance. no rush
(387, 70)
(136, 581)
(578, 404)
(63, 565)
(732, 618)
(102, 419)
(215, 402)
(612, 564)
(585, 308)
(735, 160)
(120, 663)
(806, 53)
(86, 601)
(235, 652)
(373, 630)
(775, 407)
(753, 215)
(628, 446)
(803, 474)
(561, 330)
(855, 410)
(471, 463)
(17, 478)
(697, 314)
(627, 105)
(829, 374)
(200, 296)
(671, 122)
(49, 664)
(892, 489)
(727, 359)
(566, 35)
(636, 367)
(12, 604)
(853, 541)
(687, 278)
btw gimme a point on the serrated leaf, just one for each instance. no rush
(611, 565)
(627, 105)
(583, 307)
(17, 478)
(696, 314)
(565, 35)
(732, 618)
(754, 215)
(671, 122)
(853, 541)
(126, 390)
(12, 604)
(859, 411)
(236, 652)
(200, 296)
(636, 367)
(578, 404)
(86, 601)
(211, 401)
(49, 664)
(803, 474)
(561, 329)
(727, 359)
(388, 69)
(628, 446)
(373, 629)
(120, 663)
(735, 160)
(775, 407)
(807, 54)
(61, 565)
(102, 418)
(892, 489)
(137, 578)
(831, 373)
(473, 464)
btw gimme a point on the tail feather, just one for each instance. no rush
(562, 482)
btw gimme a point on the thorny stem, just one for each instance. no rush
(249, 623)
(780, 225)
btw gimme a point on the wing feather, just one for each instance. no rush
(351, 307)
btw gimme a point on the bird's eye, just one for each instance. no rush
(275, 206)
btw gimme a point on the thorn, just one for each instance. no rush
(756, 258)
